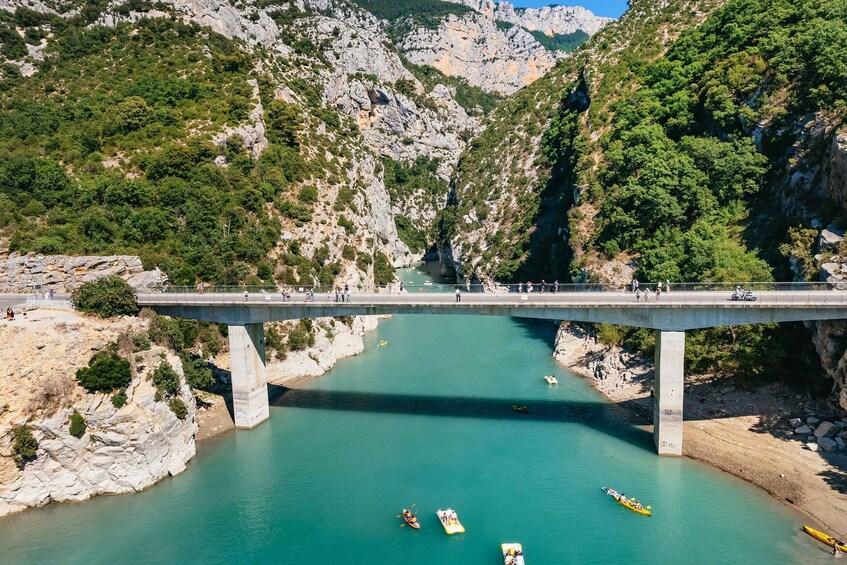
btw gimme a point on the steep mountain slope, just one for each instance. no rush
(227, 142)
(510, 193)
(685, 164)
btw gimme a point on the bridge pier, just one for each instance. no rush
(249, 375)
(668, 392)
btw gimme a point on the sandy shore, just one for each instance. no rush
(746, 433)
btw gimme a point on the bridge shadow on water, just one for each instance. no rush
(606, 418)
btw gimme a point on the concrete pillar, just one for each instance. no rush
(668, 393)
(249, 376)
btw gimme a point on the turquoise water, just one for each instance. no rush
(427, 420)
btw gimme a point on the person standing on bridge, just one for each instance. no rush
(246, 295)
(347, 292)
(543, 285)
(458, 294)
(637, 296)
(528, 287)
(556, 286)
(667, 285)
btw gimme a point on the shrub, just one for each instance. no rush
(166, 379)
(105, 297)
(178, 407)
(308, 194)
(77, 427)
(106, 371)
(24, 445)
(140, 342)
(119, 399)
(383, 269)
(610, 334)
(300, 337)
(197, 372)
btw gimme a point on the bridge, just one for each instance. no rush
(671, 315)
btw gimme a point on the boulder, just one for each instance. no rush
(827, 444)
(830, 238)
(825, 429)
(803, 430)
(812, 421)
(840, 441)
(795, 423)
(812, 446)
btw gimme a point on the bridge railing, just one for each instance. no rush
(503, 288)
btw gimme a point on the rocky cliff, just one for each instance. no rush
(62, 273)
(121, 450)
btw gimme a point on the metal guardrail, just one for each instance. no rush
(501, 288)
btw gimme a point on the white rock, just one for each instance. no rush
(795, 423)
(812, 446)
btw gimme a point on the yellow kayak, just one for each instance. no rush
(826, 538)
(633, 505)
(382, 343)
(450, 521)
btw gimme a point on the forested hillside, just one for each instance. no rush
(671, 164)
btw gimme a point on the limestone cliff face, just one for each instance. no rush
(122, 450)
(497, 58)
(551, 20)
(473, 47)
(63, 273)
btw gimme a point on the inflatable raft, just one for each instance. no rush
(512, 553)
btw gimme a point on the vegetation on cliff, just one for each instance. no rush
(105, 297)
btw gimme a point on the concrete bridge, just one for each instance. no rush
(671, 315)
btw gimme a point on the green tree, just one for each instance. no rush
(105, 372)
(105, 297)
(166, 379)
(77, 424)
(24, 445)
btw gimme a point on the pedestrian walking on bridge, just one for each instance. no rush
(458, 294)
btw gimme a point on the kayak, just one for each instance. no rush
(522, 409)
(410, 519)
(644, 510)
(512, 553)
(382, 343)
(826, 538)
(450, 521)
(551, 380)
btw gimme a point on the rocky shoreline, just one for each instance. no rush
(783, 442)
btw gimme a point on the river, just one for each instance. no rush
(427, 419)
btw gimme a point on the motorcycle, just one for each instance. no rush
(746, 295)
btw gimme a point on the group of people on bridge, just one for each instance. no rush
(636, 289)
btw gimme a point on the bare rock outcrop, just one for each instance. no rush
(475, 48)
(613, 370)
(63, 273)
(122, 449)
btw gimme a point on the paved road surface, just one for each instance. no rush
(701, 298)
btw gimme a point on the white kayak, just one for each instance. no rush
(551, 380)
(512, 553)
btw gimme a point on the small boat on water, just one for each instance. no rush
(512, 553)
(450, 521)
(382, 343)
(410, 519)
(427, 283)
(551, 380)
(632, 504)
(826, 538)
(521, 409)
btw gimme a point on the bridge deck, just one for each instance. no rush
(673, 311)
